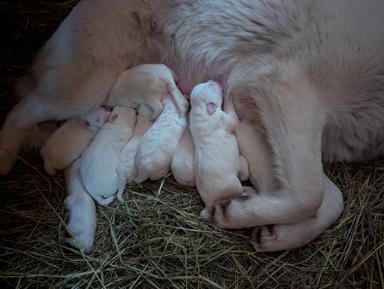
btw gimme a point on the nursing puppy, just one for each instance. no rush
(81, 210)
(216, 153)
(126, 170)
(68, 142)
(147, 84)
(159, 143)
(99, 162)
(307, 74)
(182, 161)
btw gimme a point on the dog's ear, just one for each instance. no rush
(211, 108)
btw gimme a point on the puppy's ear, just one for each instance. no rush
(113, 117)
(211, 108)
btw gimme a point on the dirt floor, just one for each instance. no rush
(155, 239)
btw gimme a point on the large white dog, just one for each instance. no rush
(308, 76)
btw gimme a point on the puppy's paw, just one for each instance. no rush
(6, 161)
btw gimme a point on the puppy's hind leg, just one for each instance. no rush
(121, 175)
(289, 236)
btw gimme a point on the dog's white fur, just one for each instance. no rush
(99, 162)
(68, 142)
(159, 143)
(81, 210)
(182, 161)
(216, 153)
(127, 170)
(147, 84)
(307, 74)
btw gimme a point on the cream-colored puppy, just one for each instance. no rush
(147, 84)
(159, 143)
(81, 210)
(127, 170)
(68, 142)
(99, 162)
(182, 161)
(216, 155)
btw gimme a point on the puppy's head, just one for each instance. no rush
(98, 117)
(207, 95)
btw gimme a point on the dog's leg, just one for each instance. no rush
(74, 95)
(283, 237)
(254, 149)
(22, 117)
(293, 118)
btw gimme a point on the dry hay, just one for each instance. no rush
(155, 239)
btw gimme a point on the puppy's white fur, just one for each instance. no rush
(216, 153)
(99, 162)
(127, 170)
(147, 84)
(81, 210)
(159, 143)
(182, 161)
(68, 142)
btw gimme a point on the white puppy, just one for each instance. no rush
(159, 143)
(68, 142)
(147, 84)
(98, 164)
(127, 170)
(81, 210)
(216, 155)
(182, 161)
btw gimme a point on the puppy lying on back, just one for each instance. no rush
(216, 154)
(99, 162)
(127, 170)
(182, 161)
(159, 143)
(68, 142)
(147, 84)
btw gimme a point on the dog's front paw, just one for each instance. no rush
(233, 213)
(264, 239)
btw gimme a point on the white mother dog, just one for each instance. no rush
(307, 74)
